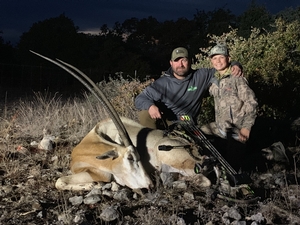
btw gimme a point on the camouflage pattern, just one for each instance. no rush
(235, 104)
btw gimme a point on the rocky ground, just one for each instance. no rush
(28, 195)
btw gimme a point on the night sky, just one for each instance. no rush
(17, 16)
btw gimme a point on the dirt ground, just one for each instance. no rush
(28, 195)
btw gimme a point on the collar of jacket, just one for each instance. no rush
(226, 74)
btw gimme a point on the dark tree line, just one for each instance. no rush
(135, 47)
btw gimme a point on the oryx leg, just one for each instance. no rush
(85, 180)
(188, 172)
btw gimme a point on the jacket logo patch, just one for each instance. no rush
(192, 88)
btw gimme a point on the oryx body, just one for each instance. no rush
(101, 155)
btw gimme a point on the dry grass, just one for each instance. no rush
(28, 195)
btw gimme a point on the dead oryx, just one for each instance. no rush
(122, 149)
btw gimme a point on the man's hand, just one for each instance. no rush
(244, 134)
(154, 112)
(236, 71)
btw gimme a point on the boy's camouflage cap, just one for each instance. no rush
(218, 50)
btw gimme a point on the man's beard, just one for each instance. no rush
(181, 71)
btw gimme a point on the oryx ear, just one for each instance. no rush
(110, 154)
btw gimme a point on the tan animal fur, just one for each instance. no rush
(104, 140)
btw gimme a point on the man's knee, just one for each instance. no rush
(146, 120)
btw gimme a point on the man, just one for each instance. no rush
(235, 102)
(178, 92)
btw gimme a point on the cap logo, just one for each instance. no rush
(179, 53)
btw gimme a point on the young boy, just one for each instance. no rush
(235, 107)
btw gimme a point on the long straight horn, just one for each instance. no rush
(105, 101)
(95, 90)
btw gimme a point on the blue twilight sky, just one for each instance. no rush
(17, 16)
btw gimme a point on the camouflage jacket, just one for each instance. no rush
(235, 102)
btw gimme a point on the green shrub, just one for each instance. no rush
(271, 65)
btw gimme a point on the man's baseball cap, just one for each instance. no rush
(179, 52)
(218, 50)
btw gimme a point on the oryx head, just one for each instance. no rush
(121, 160)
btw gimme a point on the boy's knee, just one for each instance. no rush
(211, 129)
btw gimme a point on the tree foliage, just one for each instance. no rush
(271, 64)
(55, 37)
(266, 45)
(256, 16)
(6, 51)
(289, 14)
